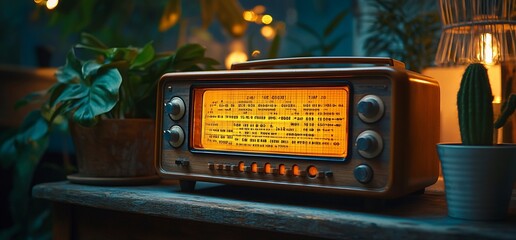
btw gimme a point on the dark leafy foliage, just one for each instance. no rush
(112, 83)
(407, 30)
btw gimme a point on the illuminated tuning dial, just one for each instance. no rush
(175, 136)
(369, 144)
(175, 108)
(370, 108)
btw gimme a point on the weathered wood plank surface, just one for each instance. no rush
(325, 216)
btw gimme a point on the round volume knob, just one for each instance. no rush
(363, 173)
(370, 108)
(175, 136)
(175, 108)
(369, 144)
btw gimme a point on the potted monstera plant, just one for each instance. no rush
(478, 174)
(108, 97)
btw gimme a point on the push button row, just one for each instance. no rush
(310, 172)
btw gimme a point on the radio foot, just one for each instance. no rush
(186, 185)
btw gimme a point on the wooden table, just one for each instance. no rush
(229, 212)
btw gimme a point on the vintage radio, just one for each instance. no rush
(366, 130)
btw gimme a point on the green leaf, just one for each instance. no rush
(120, 65)
(29, 98)
(96, 50)
(34, 127)
(28, 157)
(298, 42)
(145, 55)
(8, 152)
(71, 71)
(507, 110)
(101, 97)
(90, 40)
(335, 23)
(309, 30)
(89, 69)
(329, 47)
(188, 52)
(275, 46)
(117, 54)
(55, 91)
(71, 92)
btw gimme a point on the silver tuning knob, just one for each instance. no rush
(175, 136)
(370, 108)
(175, 108)
(369, 144)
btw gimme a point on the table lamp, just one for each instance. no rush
(480, 31)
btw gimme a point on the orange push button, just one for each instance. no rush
(267, 168)
(295, 170)
(254, 167)
(282, 170)
(312, 171)
(241, 166)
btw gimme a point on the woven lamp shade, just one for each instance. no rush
(477, 31)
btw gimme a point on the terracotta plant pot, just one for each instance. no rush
(478, 180)
(115, 148)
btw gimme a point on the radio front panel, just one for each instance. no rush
(329, 131)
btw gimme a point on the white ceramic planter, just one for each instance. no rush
(478, 179)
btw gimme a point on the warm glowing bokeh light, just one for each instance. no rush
(51, 4)
(259, 9)
(235, 57)
(488, 50)
(266, 19)
(256, 53)
(238, 29)
(249, 16)
(38, 1)
(268, 32)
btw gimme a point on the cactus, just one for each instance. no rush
(508, 106)
(474, 102)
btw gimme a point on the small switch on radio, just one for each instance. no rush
(182, 162)
(234, 168)
(219, 166)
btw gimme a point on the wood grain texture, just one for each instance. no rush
(323, 216)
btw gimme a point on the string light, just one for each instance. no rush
(268, 32)
(266, 19)
(49, 4)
